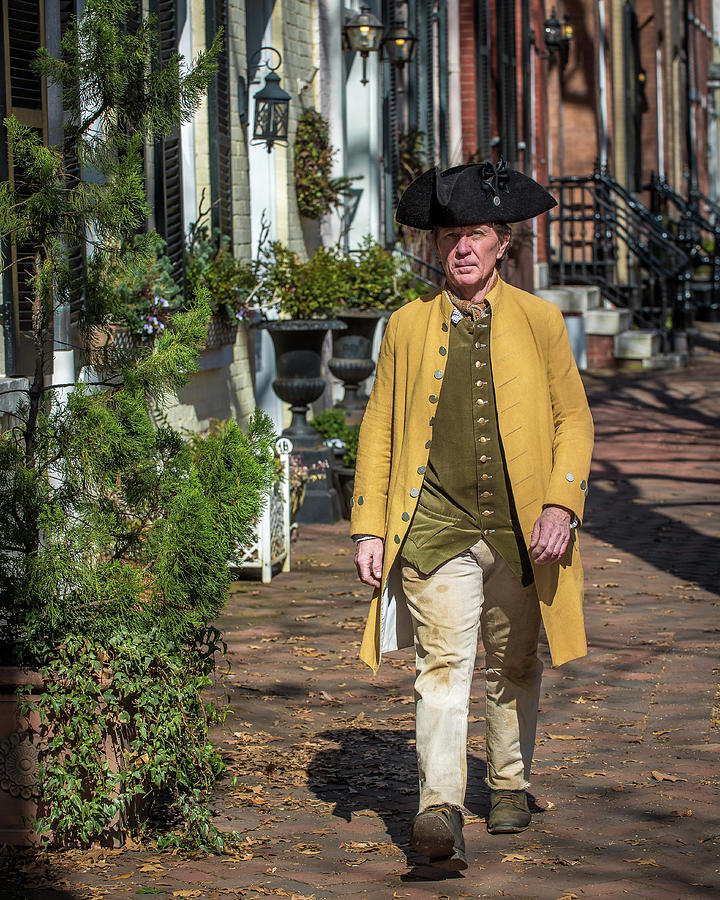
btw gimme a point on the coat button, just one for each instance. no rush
(583, 485)
(406, 517)
(414, 492)
(444, 326)
(352, 501)
(397, 538)
(421, 470)
(443, 351)
(438, 373)
(428, 444)
(432, 420)
(433, 398)
(361, 500)
(570, 477)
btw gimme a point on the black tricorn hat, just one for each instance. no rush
(472, 194)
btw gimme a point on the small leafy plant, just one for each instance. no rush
(317, 192)
(332, 425)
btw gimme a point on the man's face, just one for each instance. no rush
(469, 254)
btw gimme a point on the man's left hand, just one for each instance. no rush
(550, 535)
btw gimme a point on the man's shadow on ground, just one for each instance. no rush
(376, 769)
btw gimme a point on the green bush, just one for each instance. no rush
(332, 425)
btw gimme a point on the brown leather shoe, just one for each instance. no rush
(509, 812)
(437, 834)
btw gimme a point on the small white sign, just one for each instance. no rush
(283, 445)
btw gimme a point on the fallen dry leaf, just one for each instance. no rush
(644, 862)
(662, 776)
(567, 737)
(516, 857)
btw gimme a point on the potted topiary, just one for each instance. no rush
(114, 534)
(304, 296)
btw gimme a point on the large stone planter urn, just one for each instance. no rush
(299, 378)
(352, 359)
(299, 381)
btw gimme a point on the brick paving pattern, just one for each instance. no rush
(321, 781)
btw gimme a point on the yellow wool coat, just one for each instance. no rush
(546, 431)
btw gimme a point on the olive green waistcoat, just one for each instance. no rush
(465, 493)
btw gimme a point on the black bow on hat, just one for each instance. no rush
(472, 194)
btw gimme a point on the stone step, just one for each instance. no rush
(607, 321)
(636, 343)
(572, 297)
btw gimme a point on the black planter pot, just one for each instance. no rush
(352, 356)
(298, 363)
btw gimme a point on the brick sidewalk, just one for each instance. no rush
(321, 779)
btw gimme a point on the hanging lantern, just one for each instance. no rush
(399, 45)
(553, 32)
(272, 106)
(363, 34)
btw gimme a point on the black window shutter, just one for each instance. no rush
(76, 243)
(23, 18)
(168, 157)
(507, 86)
(482, 79)
(425, 96)
(219, 123)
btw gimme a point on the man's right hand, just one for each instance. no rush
(369, 560)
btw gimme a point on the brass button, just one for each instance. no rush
(484, 440)
(406, 517)
(481, 402)
(486, 494)
(421, 470)
(488, 512)
(414, 492)
(477, 345)
(478, 384)
(483, 459)
(482, 421)
(485, 477)
(438, 373)
(489, 531)
(443, 351)
(477, 364)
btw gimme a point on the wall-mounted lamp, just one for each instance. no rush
(399, 45)
(272, 103)
(362, 34)
(557, 36)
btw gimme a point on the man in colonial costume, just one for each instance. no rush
(470, 483)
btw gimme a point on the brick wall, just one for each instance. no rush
(468, 96)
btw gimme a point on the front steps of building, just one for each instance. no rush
(601, 337)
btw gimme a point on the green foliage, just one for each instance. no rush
(317, 192)
(141, 728)
(332, 425)
(331, 280)
(230, 282)
(115, 534)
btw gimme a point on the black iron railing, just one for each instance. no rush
(694, 224)
(601, 235)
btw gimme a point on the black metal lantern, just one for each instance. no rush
(272, 106)
(399, 45)
(553, 32)
(363, 34)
